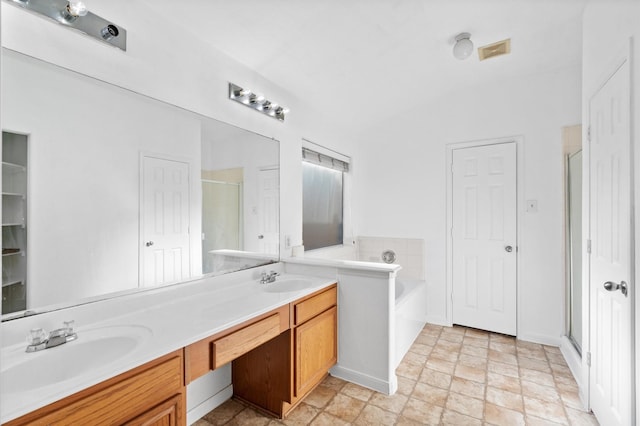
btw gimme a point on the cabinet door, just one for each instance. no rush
(316, 350)
(165, 414)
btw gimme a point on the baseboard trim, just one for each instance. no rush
(388, 388)
(541, 339)
(205, 407)
(438, 320)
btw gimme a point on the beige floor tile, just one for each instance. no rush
(404, 421)
(345, 407)
(556, 358)
(320, 396)
(393, 403)
(421, 349)
(454, 418)
(431, 394)
(508, 348)
(426, 339)
(472, 361)
(467, 387)
(410, 371)
(537, 353)
(372, 415)
(420, 411)
(465, 405)
(435, 378)
(440, 365)
(445, 354)
(357, 392)
(535, 376)
(452, 337)
(333, 383)
(451, 376)
(498, 415)
(571, 400)
(503, 357)
(303, 414)
(545, 410)
(541, 392)
(415, 358)
(534, 364)
(224, 412)
(537, 421)
(447, 345)
(405, 386)
(508, 383)
(504, 369)
(326, 419)
(476, 342)
(581, 417)
(505, 399)
(471, 373)
(249, 417)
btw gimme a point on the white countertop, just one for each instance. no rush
(180, 316)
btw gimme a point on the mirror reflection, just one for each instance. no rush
(106, 191)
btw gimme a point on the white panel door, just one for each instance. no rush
(611, 291)
(484, 237)
(269, 234)
(165, 221)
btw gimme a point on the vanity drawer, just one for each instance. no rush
(239, 342)
(314, 305)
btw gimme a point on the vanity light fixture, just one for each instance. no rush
(257, 102)
(463, 47)
(75, 14)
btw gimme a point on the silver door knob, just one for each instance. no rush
(611, 286)
(149, 243)
(508, 249)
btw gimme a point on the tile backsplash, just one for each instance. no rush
(409, 254)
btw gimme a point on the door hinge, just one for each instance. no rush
(589, 246)
(589, 134)
(588, 359)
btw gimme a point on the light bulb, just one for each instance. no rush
(77, 8)
(463, 47)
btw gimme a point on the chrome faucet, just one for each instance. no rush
(268, 277)
(39, 340)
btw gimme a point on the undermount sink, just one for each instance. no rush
(287, 285)
(93, 349)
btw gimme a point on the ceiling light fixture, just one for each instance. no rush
(257, 102)
(463, 47)
(75, 14)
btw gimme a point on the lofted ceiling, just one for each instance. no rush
(368, 60)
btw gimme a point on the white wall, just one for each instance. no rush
(608, 31)
(400, 183)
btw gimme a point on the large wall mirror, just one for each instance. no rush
(106, 191)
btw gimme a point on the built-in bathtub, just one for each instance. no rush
(410, 314)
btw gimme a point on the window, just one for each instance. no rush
(322, 212)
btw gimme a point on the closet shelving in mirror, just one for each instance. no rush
(14, 214)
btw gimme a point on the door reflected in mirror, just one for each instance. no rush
(126, 192)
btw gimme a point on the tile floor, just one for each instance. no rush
(457, 376)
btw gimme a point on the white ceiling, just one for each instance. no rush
(366, 60)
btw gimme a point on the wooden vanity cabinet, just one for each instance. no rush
(277, 375)
(150, 395)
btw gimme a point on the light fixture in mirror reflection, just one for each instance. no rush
(138, 194)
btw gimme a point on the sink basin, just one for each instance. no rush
(287, 285)
(93, 349)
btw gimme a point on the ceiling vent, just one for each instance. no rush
(496, 49)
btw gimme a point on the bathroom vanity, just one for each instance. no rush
(281, 338)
